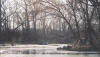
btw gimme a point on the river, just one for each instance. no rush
(42, 51)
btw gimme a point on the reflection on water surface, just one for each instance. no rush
(42, 51)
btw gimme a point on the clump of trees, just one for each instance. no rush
(52, 21)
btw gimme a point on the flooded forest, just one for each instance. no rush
(49, 27)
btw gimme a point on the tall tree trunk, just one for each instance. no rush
(0, 19)
(98, 11)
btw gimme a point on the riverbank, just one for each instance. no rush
(78, 48)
